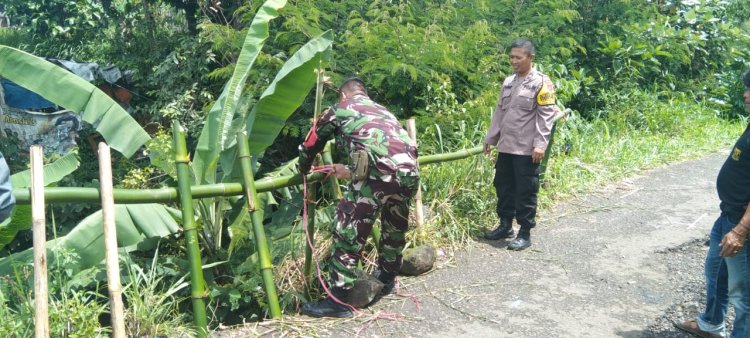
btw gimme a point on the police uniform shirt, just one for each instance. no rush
(522, 119)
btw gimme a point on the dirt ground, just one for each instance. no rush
(622, 262)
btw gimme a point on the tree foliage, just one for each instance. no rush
(439, 61)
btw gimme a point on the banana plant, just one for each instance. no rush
(216, 149)
(71, 92)
(21, 217)
(216, 142)
(139, 227)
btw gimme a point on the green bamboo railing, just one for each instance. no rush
(54, 195)
(197, 283)
(261, 243)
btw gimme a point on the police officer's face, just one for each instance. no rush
(520, 60)
(747, 99)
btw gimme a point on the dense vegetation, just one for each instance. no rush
(648, 82)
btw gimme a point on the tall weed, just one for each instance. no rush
(73, 312)
(636, 129)
(152, 307)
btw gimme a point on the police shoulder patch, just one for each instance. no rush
(546, 95)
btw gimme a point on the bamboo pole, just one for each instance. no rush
(411, 127)
(197, 284)
(332, 180)
(111, 258)
(312, 203)
(543, 164)
(312, 189)
(39, 222)
(165, 195)
(447, 157)
(264, 255)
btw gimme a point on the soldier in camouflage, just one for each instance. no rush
(385, 186)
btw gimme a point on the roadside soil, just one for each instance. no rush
(624, 261)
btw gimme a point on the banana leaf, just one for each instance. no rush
(282, 97)
(21, 217)
(286, 92)
(139, 227)
(53, 172)
(67, 90)
(216, 129)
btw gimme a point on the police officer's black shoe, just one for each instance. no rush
(329, 307)
(521, 242)
(504, 230)
(388, 279)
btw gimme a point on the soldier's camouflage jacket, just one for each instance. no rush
(360, 123)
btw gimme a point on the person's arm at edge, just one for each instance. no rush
(734, 240)
(7, 200)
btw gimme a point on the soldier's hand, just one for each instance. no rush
(341, 171)
(304, 168)
(537, 155)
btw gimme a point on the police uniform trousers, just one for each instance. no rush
(355, 216)
(517, 185)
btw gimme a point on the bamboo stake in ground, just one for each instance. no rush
(111, 258)
(543, 165)
(312, 204)
(264, 254)
(328, 160)
(41, 307)
(411, 127)
(197, 283)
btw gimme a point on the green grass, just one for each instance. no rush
(636, 132)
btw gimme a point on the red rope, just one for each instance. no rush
(328, 170)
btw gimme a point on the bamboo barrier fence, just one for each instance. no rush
(38, 196)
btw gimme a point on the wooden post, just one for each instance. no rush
(39, 222)
(111, 257)
(411, 127)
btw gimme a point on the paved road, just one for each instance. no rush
(620, 262)
(608, 264)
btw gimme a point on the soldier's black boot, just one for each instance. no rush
(329, 307)
(521, 242)
(388, 279)
(504, 230)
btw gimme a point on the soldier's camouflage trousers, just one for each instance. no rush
(355, 215)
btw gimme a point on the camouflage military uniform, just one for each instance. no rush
(359, 123)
